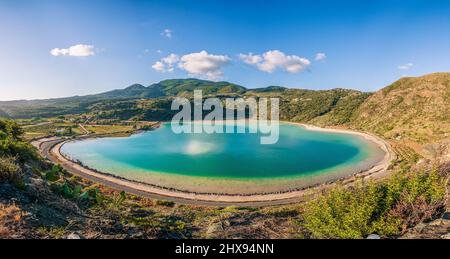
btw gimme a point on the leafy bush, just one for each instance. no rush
(88, 196)
(387, 208)
(118, 200)
(92, 195)
(415, 198)
(9, 169)
(11, 143)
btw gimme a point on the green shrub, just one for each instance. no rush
(387, 208)
(93, 195)
(418, 197)
(54, 174)
(119, 199)
(11, 143)
(165, 203)
(51, 176)
(9, 169)
(343, 213)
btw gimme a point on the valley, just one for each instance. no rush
(411, 115)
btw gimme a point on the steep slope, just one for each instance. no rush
(417, 108)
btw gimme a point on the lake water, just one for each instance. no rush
(152, 155)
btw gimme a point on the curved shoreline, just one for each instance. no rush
(52, 148)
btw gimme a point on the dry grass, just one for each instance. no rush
(10, 216)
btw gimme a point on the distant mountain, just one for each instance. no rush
(77, 104)
(172, 87)
(131, 91)
(182, 86)
(270, 89)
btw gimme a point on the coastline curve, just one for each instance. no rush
(51, 149)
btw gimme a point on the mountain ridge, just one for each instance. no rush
(164, 88)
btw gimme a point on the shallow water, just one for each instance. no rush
(299, 152)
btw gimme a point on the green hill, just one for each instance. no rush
(171, 87)
(324, 107)
(414, 107)
(183, 86)
(272, 88)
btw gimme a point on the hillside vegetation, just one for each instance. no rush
(417, 108)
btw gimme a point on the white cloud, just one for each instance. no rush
(250, 58)
(406, 66)
(320, 56)
(171, 59)
(166, 64)
(167, 33)
(203, 64)
(159, 66)
(273, 59)
(80, 50)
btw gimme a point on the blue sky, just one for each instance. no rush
(364, 45)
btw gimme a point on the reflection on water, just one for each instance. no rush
(195, 147)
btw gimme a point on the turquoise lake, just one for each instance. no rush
(299, 152)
